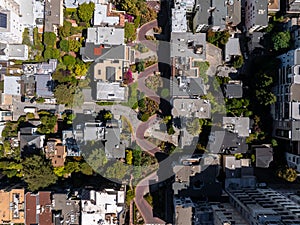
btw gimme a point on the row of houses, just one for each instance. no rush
(86, 207)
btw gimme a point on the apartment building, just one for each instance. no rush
(264, 206)
(286, 110)
(256, 15)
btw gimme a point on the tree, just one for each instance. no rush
(238, 61)
(129, 157)
(74, 45)
(48, 123)
(49, 39)
(137, 156)
(130, 31)
(26, 37)
(48, 53)
(128, 77)
(37, 172)
(80, 70)
(65, 30)
(289, 174)
(140, 66)
(64, 94)
(62, 76)
(193, 127)
(55, 53)
(116, 171)
(86, 169)
(69, 60)
(64, 45)
(281, 40)
(96, 158)
(86, 11)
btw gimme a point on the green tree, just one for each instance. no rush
(281, 40)
(62, 76)
(69, 60)
(49, 39)
(289, 174)
(48, 123)
(140, 66)
(65, 30)
(64, 45)
(37, 172)
(80, 70)
(48, 53)
(74, 45)
(95, 158)
(194, 127)
(86, 11)
(238, 61)
(130, 31)
(117, 170)
(86, 169)
(64, 94)
(26, 37)
(137, 156)
(129, 157)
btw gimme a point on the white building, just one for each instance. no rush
(102, 207)
(11, 25)
(12, 85)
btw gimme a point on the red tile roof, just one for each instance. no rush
(30, 206)
(98, 51)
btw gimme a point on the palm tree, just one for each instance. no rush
(194, 127)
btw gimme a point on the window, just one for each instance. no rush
(99, 72)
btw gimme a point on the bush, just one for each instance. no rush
(281, 40)
(145, 117)
(165, 93)
(69, 60)
(130, 32)
(64, 45)
(49, 39)
(86, 11)
(238, 62)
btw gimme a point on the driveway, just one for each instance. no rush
(143, 31)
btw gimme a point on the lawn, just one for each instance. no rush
(203, 67)
(132, 96)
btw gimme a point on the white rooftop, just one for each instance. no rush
(110, 91)
(12, 85)
(100, 16)
(105, 35)
(179, 21)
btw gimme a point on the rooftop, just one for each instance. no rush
(110, 91)
(12, 85)
(239, 125)
(187, 107)
(233, 90)
(44, 85)
(105, 35)
(53, 15)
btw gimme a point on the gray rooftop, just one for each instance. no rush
(219, 13)
(12, 85)
(232, 48)
(239, 125)
(113, 147)
(93, 131)
(110, 92)
(220, 141)
(263, 156)
(18, 51)
(187, 86)
(53, 15)
(187, 107)
(234, 12)
(188, 45)
(261, 17)
(233, 90)
(202, 15)
(31, 143)
(44, 85)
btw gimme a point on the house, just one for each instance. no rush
(191, 107)
(100, 40)
(56, 152)
(263, 155)
(28, 87)
(183, 211)
(292, 7)
(216, 14)
(256, 15)
(112, 63)
(13, 51)
(179, 20)
(104, 15)
(44, 85)
(65, 210)
(76, 3)
(53, 15)
(233, 89)
(232, 49)
(38, 208)
(196, 177)
(69, 141)
(12, 206)
(93, 131)
(102, 207)
(11, 26)
(222, 141)
(110, 92)
(238, 125)
(12, 85)
(30, 141)
(40, 68)
(5, 115)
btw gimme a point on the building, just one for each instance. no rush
(53, 15)
(101, 41)
(104, 15)
(12, 210)
(30, 141)
(233, 89)
(191, 107)
(5, 115)
(69, 138)
(38, 208)
(40, 68)
(179, 20)
(293, 7)
(263, 155)
(65, 210)
(238, 125)
(44, 85)
(222, 141)
(110, 92)
(256, 15)
(76, 3)
(11, 26)
(102, 207)
(13, 51)
(56, 152)
(216, 14)
(285, 112)
(232, 49)
(273, 6)
(196, 177)
(12, 85)
(264, 206)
